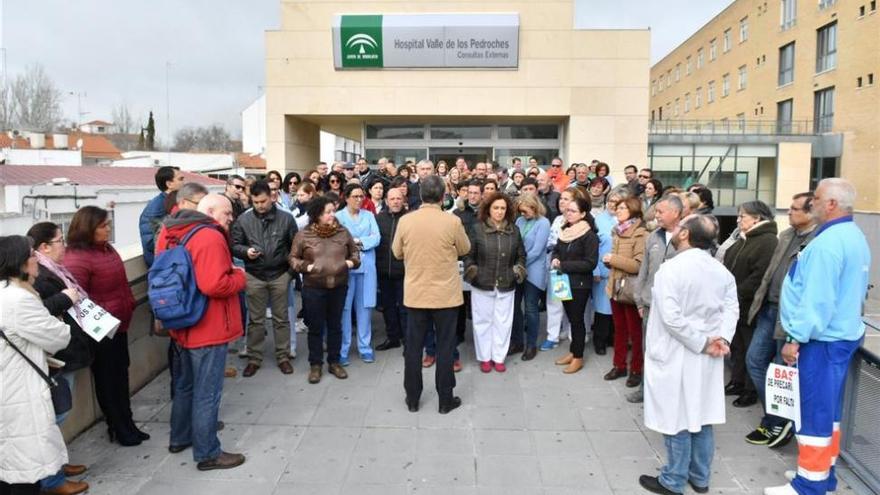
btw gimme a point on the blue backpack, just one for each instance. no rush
(171, 287)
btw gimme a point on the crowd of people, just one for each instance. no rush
(634, 267)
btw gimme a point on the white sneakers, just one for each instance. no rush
(785, 489)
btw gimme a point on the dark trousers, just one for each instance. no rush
(628, 326)
(19, 488)
(463, 311)
(574, 310)
(420, 321)
(391, 294)
(110, 370)
(603, 330)
(527, 299)
(739, 347)
(324, 312)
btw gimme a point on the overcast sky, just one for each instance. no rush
(114, 52)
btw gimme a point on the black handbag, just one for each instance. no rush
(62, 399)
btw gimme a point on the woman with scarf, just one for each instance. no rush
(624, 260)
(287, 198)
(324, 253)
(60, 292)
(576, 254)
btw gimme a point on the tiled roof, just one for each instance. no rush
(98, 122)
(250, 161)
(26, 175)
(94, 146)
(6, 142)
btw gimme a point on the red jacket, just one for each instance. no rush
(101, 273)
(215, 276)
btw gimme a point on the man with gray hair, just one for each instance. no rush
(693, 317)
(430, 242)
(820, 309)
(658, 249)
(424, 168)
(189, 195)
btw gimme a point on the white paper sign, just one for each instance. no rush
(783, 393)
(95, 320)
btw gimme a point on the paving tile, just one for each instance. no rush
(445, 441)
(503, 442)
(508, 470)
(575, 472)
(563, 443)
(446, 470)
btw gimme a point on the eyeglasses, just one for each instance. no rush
(644, 177)
(556, 165)
(357, 196)
(57, 241)
(238, 187)
(334, 181)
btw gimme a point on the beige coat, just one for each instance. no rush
(430, 242)
(627, 252)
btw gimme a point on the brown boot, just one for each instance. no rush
(223, 461)
(337, 370)
(574, 366)
(74, 469)
(565, 359)
(230, 372)
(315, 373)
(68, 488)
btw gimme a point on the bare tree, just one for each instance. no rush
(35, 101)
(6, 109)
(123, 120)
(211, 138)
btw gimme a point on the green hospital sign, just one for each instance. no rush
(362, 41)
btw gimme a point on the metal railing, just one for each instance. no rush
(733, 127)
(861, 412)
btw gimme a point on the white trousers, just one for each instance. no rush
(557, 323)
(492, 313)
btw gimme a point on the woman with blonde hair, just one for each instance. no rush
(534, 229)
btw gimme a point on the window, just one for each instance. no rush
(861, 11)
(532, 131)
(687, 102)
(788, 13)
(870, 79)
(661, 84)
(783, 116)
(688, 67)
(669, 78)
(726, 40)
(743, 78)
(873, 5)
(743, 29)
(823, 110)
(698, 98)
(741, 122)
(713, 49)
(859, 82)
(461, 132)
(654, 88)
(700, 58)
(824, 4)
(677, 72)
(675, 108)
(826, 47)
(710, 92)
(786, 64)
(725, 85)
(395, 132)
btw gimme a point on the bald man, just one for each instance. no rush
(390, 272)
(200, 351)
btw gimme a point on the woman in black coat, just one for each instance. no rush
(747, 259)
(576, 254)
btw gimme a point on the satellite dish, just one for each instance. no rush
(79, 144)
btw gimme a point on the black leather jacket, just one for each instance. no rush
(272, 234)
(387, 266)
(497, 259)
(80, 351)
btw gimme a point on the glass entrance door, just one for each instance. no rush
(449, 155)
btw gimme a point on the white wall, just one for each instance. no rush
(253, 127)
(188, 162)
(42, 157)
(54, 203)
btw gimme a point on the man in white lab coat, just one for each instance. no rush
(693, 316)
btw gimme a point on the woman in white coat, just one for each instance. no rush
(693, 317)
(31, 445)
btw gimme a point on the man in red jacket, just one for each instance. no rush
(198, 380)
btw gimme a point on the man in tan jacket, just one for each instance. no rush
(430, 242)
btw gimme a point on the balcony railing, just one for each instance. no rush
(732, 127)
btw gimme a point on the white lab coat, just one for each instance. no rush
(693, 298)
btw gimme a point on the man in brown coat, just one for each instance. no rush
(430, 242)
